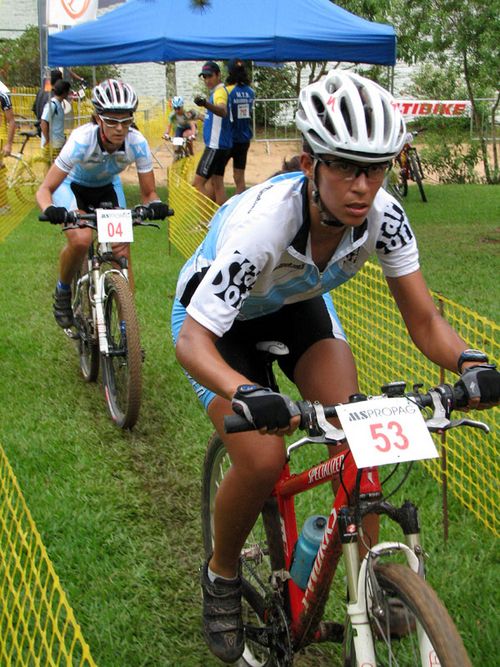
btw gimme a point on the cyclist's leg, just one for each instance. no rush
(239, 155)
(326, 371)
(257, 461)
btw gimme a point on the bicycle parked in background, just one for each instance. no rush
(106, 327)
(393, 617)
(410, 169)
(25, 175)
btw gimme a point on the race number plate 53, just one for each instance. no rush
(114, 225)
(386, 430)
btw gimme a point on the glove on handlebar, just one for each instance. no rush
(200, 101)
(263, 407)
(56, 215)
(157, 210)
(481, 381)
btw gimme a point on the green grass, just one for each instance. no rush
(119, 512)
(458, 233)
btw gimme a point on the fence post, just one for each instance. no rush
(444, 460)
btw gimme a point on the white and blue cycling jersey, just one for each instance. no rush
(86, 161)
(257, 257)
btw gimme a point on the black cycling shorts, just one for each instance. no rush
(89, 199)
(298, 325)
(239, 154)
(213, 162)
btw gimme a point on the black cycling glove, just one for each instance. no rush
(57, 215)
(481, 381)
(157, 210)
(200, 101)
(263, 407)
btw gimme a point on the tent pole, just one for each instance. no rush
(42, 29)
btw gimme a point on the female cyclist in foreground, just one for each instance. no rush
(86, 174)
(264, 272)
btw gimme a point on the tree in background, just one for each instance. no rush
(458, 37)
(20, 62)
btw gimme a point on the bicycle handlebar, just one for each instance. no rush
(75, 219)
(444, 398)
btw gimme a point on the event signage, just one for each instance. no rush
(448, 108)
(70, 12)
(386, 430)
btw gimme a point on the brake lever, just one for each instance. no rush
(455, 423)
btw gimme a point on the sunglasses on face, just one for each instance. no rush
(349, 171)
(114, 122)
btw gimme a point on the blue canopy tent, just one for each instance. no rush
(270, 30)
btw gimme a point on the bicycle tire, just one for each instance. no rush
(22, 180)
(121, 367)
(88, 348)
(420, 604)
(416, 174)
(261, 555)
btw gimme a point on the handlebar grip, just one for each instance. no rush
(237, 424)
(460, 399)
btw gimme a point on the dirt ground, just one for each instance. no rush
(264, 159)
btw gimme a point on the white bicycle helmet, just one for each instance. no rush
(177, 102)
(113, 95)
(349, 116)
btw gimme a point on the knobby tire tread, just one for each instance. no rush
(417, 175)
(428, 610)
(125, 416)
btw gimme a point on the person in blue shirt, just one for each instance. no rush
(241, 99)
(217, 135)
(52, 118)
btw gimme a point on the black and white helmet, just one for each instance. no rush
(349, 116)
(113, 95)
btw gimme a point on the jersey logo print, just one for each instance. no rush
(234, 281)
(395, 231)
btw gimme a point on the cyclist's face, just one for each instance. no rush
(346, 189)
(115, 125)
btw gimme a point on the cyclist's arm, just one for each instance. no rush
(148, 187)
(51, 182)
(430, 332)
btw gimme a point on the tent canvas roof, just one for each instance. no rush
(265, 30)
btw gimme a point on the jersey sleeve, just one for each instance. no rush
(5, 101)
(396, 245)
(221, 96)
(46, 112)
(141, 152)
(71, 153)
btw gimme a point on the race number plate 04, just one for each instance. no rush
(114, 225)
(386, 430)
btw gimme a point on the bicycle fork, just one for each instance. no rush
(364, 592)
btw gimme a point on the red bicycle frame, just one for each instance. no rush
(307, 606)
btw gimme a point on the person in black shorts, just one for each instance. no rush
(217, 135)
(241, 99)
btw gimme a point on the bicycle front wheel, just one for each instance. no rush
(88, 348)
(417, 174)
(261, 555)
(121, 366)
(406, 607)
(22, 180)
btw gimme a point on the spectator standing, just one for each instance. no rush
(217, 134)
(241, 99)
(10, 123)
(6, 105)
(43, 96)
(52, 119)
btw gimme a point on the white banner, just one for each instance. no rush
(448, 108)
(70, 12)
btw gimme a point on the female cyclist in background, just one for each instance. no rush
(85, 174)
